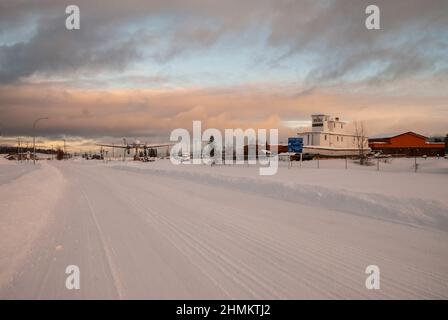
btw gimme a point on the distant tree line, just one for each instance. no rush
(13, 150)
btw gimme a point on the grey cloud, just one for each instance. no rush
(104, 41)
(54, 49)
(412, 39)
(304, 93)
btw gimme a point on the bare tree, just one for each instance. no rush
(60, 154)
(360, 136)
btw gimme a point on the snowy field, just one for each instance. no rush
(158, 231)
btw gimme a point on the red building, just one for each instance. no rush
(406, 144)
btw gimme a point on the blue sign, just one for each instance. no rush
(295, 145)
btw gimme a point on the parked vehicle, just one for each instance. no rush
(305, 157)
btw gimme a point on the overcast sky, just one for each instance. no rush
(140, 68)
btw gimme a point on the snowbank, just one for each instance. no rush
(26, 204)
(409, 210)
(10, 170)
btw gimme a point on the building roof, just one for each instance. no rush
(393, 135)
(327, 132)
(384, 136)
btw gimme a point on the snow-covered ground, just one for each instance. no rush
(27, 197)
(395, 192)
(154, 230)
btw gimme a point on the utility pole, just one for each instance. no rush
(65, 154)
(34, 137)
(415, 160)
(0, 131)
(18, 149)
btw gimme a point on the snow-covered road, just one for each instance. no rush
(143, 235)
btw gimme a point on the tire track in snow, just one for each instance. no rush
(178, 245)
(112, 267)
(134, 189)
(359, 253)
(247, 271)
(200, 247)
(161, 231)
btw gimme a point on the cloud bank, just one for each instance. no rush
(141, 67)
